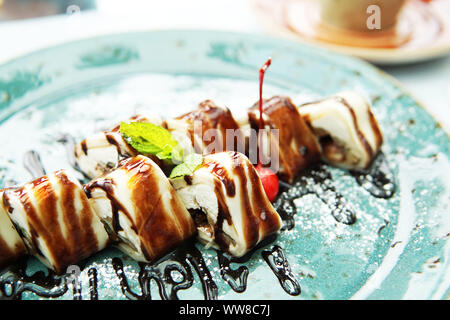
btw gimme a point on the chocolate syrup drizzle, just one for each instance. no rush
(317, 180)
(276, 259)
(15, 281)
(236, 278)
(32, 163)
(93, 283)
(174, 273)
(171, 275)
(379, 179)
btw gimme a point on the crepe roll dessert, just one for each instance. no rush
(55, 220)
(139, 206)
(210, 128)
(102, 152)
(295, 145)
(346, 128)
(11, 244)
(227, 200)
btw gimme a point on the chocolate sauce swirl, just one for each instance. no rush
(170, 277)
(317, 181)
(236, 278)
(210, 290)
(124, 285)
(378, 179)
(93, 283)
(171, 274)
(15, 281)
(276, 259)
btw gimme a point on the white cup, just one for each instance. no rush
(357, 15)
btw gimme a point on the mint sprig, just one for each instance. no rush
(149, 139)
(191, 163)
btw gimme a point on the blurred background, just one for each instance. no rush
(27, 25)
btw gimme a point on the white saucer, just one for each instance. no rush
(422, 32)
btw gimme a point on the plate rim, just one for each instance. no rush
(274, 41)
(324, 50)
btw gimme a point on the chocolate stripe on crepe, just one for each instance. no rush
(367, 165)
(11, 244)
(141, 208)
(102, 152)
(297, 146)
(69, 144)
(346, 128)
(55, 220)
(80, 234)
(361, 136)
(91, 161)
(210, 116)
(228, 202)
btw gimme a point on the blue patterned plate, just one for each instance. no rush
(398, 247)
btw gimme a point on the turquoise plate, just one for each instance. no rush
(398, 248)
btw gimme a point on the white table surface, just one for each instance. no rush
(429, 82)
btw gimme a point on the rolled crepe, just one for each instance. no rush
(102, 152)
(228, 203)
(296, 146)
(11, 244)
(143, 213)
(55, 220)
(210, 128)
(348, 132)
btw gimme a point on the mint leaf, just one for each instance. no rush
(191, 163)
(150, 139)
(165, 153)
(177, 154)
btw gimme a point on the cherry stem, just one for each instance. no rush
(262, 72)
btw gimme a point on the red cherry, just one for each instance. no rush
(269, 181)
(268, 178)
